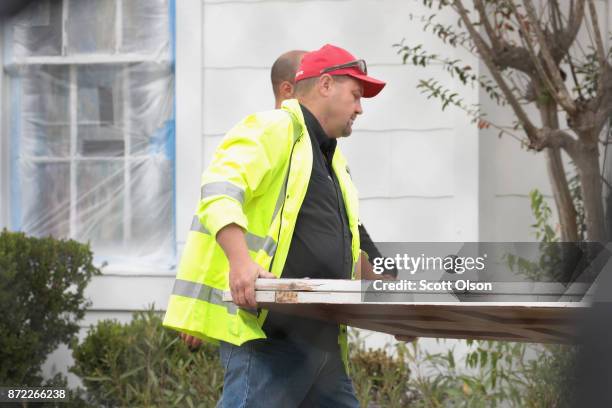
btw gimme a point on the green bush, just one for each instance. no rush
(41, 299)
(494, 374)
(144, 364)
(380, 378)
(489, 374)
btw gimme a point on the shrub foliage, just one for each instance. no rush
(42, 281)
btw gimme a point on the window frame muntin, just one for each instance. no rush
(119, 59)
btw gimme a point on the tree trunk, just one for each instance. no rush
(558, 181)
(563, 198)
(590, 181)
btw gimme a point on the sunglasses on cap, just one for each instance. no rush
(359, 64)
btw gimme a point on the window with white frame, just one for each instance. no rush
(92, 125)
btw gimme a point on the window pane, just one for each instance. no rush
(145, 26)
(100, 110)
(100, 141)
(151, 206)
(100, 204)
(151, 104)
(91, 26)
(119, 165)
(45, 198)
(37, 30)
(44, 110)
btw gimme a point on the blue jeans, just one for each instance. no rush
(279, 373)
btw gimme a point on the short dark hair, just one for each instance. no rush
(284, 68)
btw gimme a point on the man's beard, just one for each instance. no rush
(348, 129)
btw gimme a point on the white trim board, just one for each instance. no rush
(189, 131)
(4, 143)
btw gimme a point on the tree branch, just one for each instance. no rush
(599, 47)
(511, 56)
(548, 137)
(564, 97)
(604, 104)
(564, 40)
(480, 7)
(486, 54)
(554, 17)
(536, 60)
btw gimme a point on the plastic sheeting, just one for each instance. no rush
(92, 26)
(92, 129)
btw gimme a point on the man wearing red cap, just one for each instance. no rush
(278, 197)
(282, 76)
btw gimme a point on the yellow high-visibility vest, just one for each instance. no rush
(257, 179)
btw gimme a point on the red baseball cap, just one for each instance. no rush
(333, 60)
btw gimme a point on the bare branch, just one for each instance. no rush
(554, 17)
(506, 55)
(604, 103)
(564, 97)
(480, 7)
(574, 77)
(486, 54)
(505, 130)
(548, 137)
(567, 38)
(510, 56)
(599, 47)
(540, 72)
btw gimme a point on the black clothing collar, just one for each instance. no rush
(327, 144)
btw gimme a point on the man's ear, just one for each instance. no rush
(325, 84)
(286, 90)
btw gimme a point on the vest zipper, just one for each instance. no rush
(341, 211)
(284, 200)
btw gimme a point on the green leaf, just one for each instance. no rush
(130, 372)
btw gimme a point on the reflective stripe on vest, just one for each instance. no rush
(205, 293)
(222, 188)
(254, 242)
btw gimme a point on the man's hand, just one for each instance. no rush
(242, 277)
(192, 342)
(243, 270)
